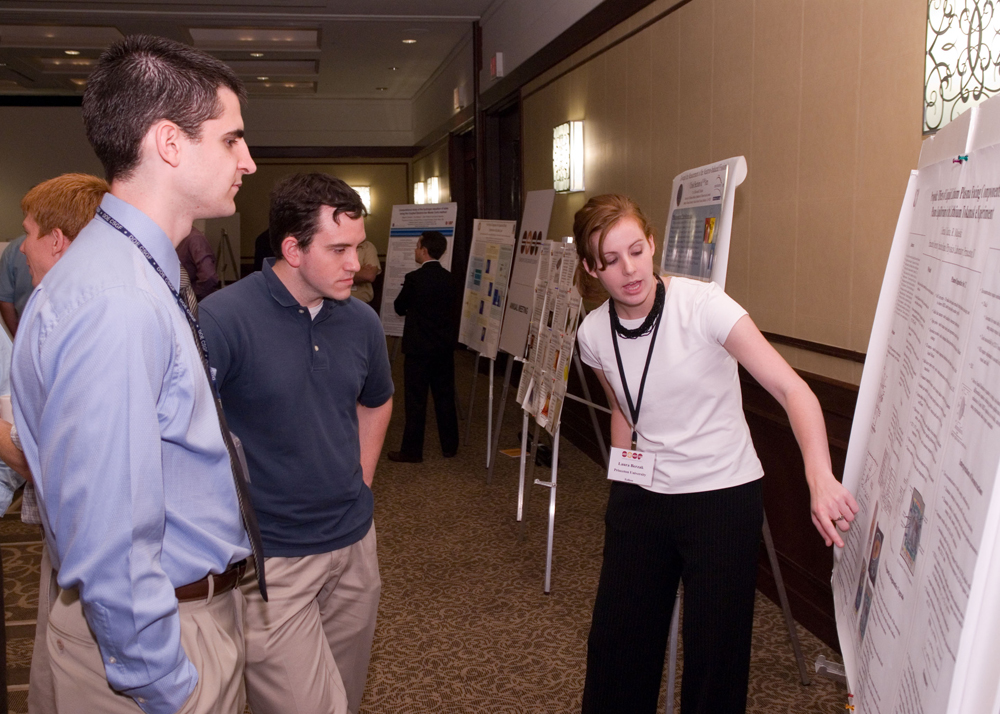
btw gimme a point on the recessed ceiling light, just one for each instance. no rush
(263, 79)
(72, 53)
(392, 69)
(409, 42)
(382, 89)
(256, 55)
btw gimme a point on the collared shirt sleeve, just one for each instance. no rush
(9, 480)
(87, 387)
(378, 385)
(7, 282)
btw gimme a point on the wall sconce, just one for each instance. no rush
(366, 196)
(419, 192)
(567, 157)
(433, 190)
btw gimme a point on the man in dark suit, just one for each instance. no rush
(426, 300)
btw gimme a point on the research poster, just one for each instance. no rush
(696, 243)
(408, 222)
(490, 258)
(916, 614)
(533, 233)
(552, 337)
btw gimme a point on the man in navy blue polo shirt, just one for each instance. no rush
(304, 376)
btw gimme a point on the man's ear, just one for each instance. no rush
(291, 253)
(166, 138)
(60, 243)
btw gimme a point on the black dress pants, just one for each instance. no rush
(710, 541)
(435, 371)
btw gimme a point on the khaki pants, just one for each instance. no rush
(212, 638)
(308, 647)
(41, 690)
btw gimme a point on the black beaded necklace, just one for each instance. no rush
(647, 325)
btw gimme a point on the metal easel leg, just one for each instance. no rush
(551, 485)
(489, 416)
(520, 478)
(531, 474)
(499, 425)
(783, 598)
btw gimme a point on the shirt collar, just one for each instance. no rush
(146, 232)
(280, 293)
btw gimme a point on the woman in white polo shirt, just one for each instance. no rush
(696, 516)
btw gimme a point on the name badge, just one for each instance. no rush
(631, 466)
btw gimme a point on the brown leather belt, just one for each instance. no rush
(211, 583)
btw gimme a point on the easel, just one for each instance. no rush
(225, 250)
(592, 408)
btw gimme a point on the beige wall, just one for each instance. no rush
(824, 100)
(433, 161)
(388, 182)
(38, 143)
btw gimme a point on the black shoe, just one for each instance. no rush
(449, 454)
(402, 458)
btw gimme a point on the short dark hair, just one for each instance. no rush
(435, 243)
(296, 201)
(141, 80)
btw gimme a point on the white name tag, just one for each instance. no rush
(631, 466)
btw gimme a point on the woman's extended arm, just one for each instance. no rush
(832, 505)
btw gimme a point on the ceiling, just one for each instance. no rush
(317, 48)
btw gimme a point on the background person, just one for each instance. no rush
(369, 270)
(15, 284)
(426, 300)
(699, 521)
(197, 259)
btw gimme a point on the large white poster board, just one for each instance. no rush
(696, 244)
(408, 222)
(490, 257)
(534, 231)
(916, 586)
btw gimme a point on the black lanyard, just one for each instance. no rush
(192, 321)
(634, 409)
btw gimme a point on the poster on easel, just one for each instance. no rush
(552, 337)
(696, 243)
(915, 587)
(490, 257)
(408, 222)
(533, 235)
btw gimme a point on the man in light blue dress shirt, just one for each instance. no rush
(116, 414)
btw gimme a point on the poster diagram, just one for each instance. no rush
(918, 622)
(696, 244)
(551, 338)
(533, 233)
(408, 222)
(490, 258)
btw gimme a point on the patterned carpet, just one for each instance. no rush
(464, 625)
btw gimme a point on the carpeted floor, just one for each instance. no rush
(464, 625)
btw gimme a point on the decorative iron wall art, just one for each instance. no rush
(962, 64)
